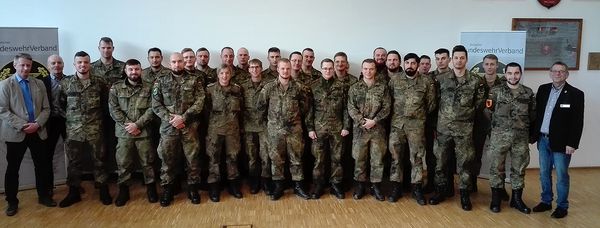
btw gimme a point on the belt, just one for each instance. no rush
(545, 135)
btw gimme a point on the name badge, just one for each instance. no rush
(565, 105)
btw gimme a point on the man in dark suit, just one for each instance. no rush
(24, 110)
(56, 122)
(559, 125)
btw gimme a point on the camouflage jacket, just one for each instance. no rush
(198, 74)
(304, 79)
(239, 75)
(149, 76)
(483, 119)
(181, 95)
(328, 112)
(369, 102)
(254, 120)
(224, 106)
(285, 108)
(412, 99)
(314, 73)
(210, 75)
(512, 111)
(131, 104)
(111, 73)
(85, 107)
(270, 74)
(347, 80)
(458, 103)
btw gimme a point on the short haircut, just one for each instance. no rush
(295, 53)
(202, 49)
(442, 51)
(377, 48)
(491, 56)
(460, 48)
(326, 60)
(368, 61)
(308, 49)
(394, 52)
(187, 50)
(23, 56)
(224, 66)
(131, 62)
(274, 49)
(223, 49)
(283, 60)
(412, 56)
(425, 57)
(513, 64)
(561, 63)
(342, 54)
(81, 54)
(155, 49)
(255, 62)
(105, 40)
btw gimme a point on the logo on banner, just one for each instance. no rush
(38, 70)
(549, 3)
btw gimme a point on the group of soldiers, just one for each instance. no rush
(276, 115)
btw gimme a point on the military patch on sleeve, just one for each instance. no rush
(155, 89)
(488, 103)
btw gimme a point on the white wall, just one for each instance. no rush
(356, 27)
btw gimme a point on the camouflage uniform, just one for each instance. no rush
(512, 125)
(328, 116)
(131, 104)
(149, 76)
(373, 103)
(412, 99)
(347, 81)
(198, 74)
(224, 106)
(269, 74)
(111, 73)
(304, 78)
(86, 101)
(182, 95)
(285, 111)
(459, 98)
(255, 131)
(239, 75)
(314, 73)
(210, 75)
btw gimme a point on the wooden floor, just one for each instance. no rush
(291, 211)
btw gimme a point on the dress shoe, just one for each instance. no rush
(465, 200)
(105, 197)
(541, 207)
(151, 193)
(559, 212)
(336, 189)
(72, 197)
(12, 209)
(376, 191)
(47, 201)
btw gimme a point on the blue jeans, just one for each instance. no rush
(560, 161)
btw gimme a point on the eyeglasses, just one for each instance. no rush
(558, 71)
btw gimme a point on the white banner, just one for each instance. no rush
(507, 46)
(39, 43)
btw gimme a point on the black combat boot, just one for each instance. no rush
(396, 192)
(299, 190)
(278, 190)
(266, 186)
(151, 193)
(336, 189)
(465, 200)
(418, 194)
(359, 190)
(72, 197)
(214, 192)
(105, 197)
(193, 194)
(517, 202)
(473, 184)
(495, 204)
(123, 196)
(376, 191)
(167, 195)
(439, 195)
(234, 189)
(254, 183)
(318, 190)
(450, 187)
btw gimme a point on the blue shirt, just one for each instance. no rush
(554, 94)
(24, 84)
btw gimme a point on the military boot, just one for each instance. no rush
(254, 184)
(151, 193)
(105, 197)
(396, 192)
(234, 189)
(299, 190)
(495, 204)
(465, 200)
(266, 186)
(167, 195)
(318, 190)
(517, 202)
(336, 189)
(439, 195)
(214, 192)
(376, 191)
(359, 190)
(123, 196)
(418, 194)
(193, 194)
(72, 197)
(278, 190)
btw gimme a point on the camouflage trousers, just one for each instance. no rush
(75, 154)
(399, 138)
(282, 145)
(170, 151)
(216, 144)
(515, 145)
(464, 152)
(332, 143)
(256, 149)
(369, 146)
(130, 149)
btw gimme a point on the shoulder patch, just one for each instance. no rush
(489, 103)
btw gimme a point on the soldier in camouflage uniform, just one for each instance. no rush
(413, 98)
(224, 103)
(308, 57)
(286, 102)
(239, 75)
(424, 65)
(461, 94)
(156, 69)
(297, 73)
(202, 59)
(380, 56)
(189, 60)
(327, 123)
(129, 104)
(513, 116)
(273, 55)
(392, 63)
(369, 105)
(177, 98)
(255, 131)
(86, 100)
(243, 57)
